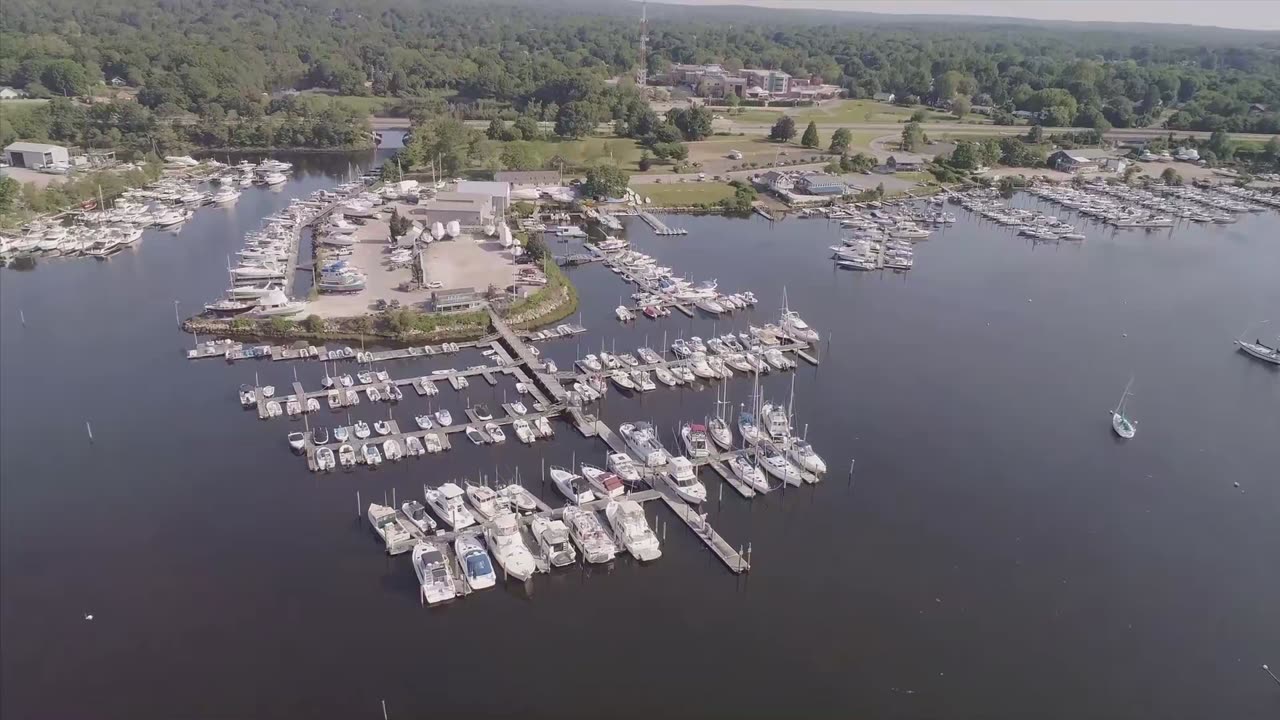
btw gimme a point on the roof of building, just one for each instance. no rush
(908, 159)
(26, 147)
(446, 202)
(820, 179)
(484, 187)
(465, 293)
(1073, 158)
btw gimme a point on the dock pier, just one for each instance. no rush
(659, 227)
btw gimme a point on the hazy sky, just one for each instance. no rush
(1249, 14)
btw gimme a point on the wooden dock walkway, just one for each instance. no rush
(697, 523)
(658, 226)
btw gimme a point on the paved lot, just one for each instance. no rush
(39, 179)
(469, 261)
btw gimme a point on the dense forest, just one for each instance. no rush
(212, 71)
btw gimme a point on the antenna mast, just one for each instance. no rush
(642, 75)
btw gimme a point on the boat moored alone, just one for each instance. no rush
(1120, 421)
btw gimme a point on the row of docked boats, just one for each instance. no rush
(261, 268)
(660, 287)
(1127, 207)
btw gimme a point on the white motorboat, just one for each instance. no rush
(592, 363)
(374, 395)
(543, 426)
(524, 431)
(274, 178)
(495, 432)
(423, 421)
(681, 348)
(632, 529)
(622, 379)
(297, 440)
(476, 566)
(572, 486)
(779, 466)
(518, 408)
(360, 429)
(1120, 421)
(643, 441)
(346, 455)
(624, 314)
(418, 516)
(603, 484)
(474, 435)
(391, 448)
(431, 443)
(325, 459)
(665, 376)
(484, 501)
(277, 304)
(553, 542)
(696, 445)
(682, 478)
(589, 535)
(369, 452)
(776, 423)
(413, 446)
(444, 418)
(794, 326)
(387, 524)
(503, 536)
(519, 499)
(624, 467)
(710, 305)
(446, 502)
(610, 361)
(642, 381)
(749, 473)
(701, 367)
(437, 230)
(453, 228)
(803, 454)
(382, 427)
(435, 574)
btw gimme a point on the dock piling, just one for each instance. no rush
(357, 503)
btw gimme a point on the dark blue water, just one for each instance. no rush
(998, 553)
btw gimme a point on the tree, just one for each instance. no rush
(810, 137)
(913, 137)
(961, 106)
(496, 129)
(645, 162)
(670, 151)
(841, 139)
(526, 127)
(399, 225)
(520, 155)
(1035, 134)
(1220, 144)
(9, 191)
(693, 123)
(575, 120)
(784, 129)
(606, 181)
(965, 156)
(1170, 176)
(743, 200)
(1271, 151)
(314, 324)
(65, 77)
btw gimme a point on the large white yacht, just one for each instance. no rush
(643, 441)
(476, 566)
(589, 535)
(630, 527)
(503, 536)
(682, 478)
(446, 501)
(435, 574)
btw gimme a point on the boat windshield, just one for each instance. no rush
(478, 564)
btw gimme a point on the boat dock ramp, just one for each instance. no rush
(659, 227)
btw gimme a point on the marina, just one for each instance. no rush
(983, 445)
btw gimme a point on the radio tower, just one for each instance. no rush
(642, 76)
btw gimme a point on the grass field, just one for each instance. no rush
(684, 194)
(849, 112)
(21, 103)
(581, 154)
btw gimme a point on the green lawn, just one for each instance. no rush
(580, 154)
(680, 194)
(849, 112)
(21, 103)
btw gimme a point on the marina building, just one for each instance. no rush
(36, 155)
(455, 300)
(527, 178)
(1064, 161)
(818, 184)
(498, 192)
(469, 209)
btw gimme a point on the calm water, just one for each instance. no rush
(997, 554)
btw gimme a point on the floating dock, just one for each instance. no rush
(659, 227)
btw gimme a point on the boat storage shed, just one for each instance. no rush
(469, 209)
(499, 192)
(36, 155)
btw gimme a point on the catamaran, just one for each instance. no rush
(1120, 422)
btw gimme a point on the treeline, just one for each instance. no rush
(136, 131)
(202, 55)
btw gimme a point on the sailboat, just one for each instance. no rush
(1259, 349)
(1120, 422)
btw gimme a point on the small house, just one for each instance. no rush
(904, 163)
(118, 81)
(469, 209)
(1115, 165)
(10, 93)
(1063, 161)
(886, 97)
(455, 300)
(527, 178)
(498, 192)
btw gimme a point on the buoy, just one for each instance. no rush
(1124, 334)
(88, 616)
(1237, 483)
